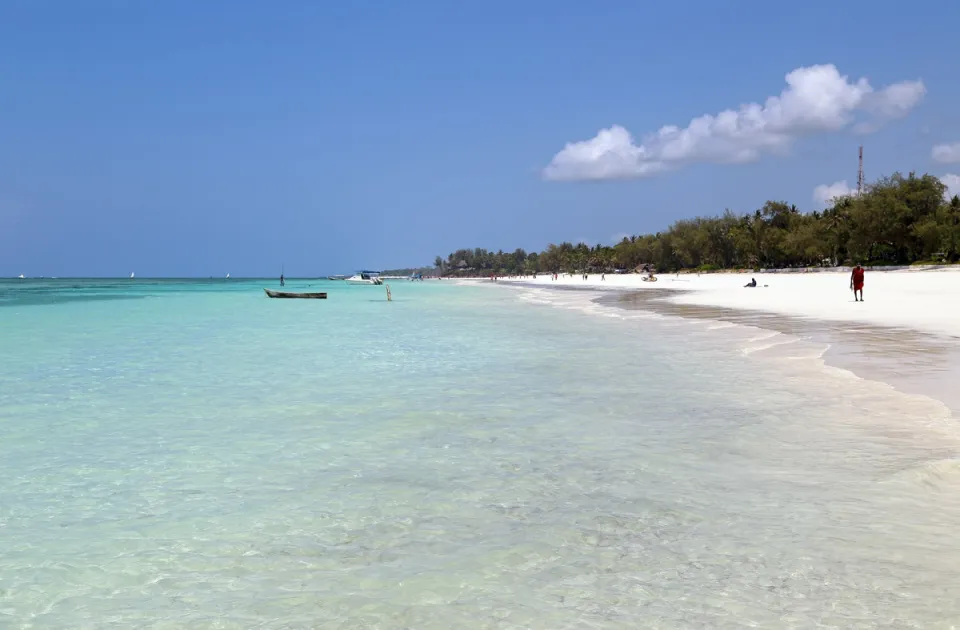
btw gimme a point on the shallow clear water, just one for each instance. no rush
(200, 456)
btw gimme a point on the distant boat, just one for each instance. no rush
(228, 276)
(336, 277)
(365, 277)
(285, 294)
(131, 275)
(20, 277)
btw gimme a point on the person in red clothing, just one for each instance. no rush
(856, 282)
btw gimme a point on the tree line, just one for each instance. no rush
(897, 220)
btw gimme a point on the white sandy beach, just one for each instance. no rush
(923, 303)
(925, 300)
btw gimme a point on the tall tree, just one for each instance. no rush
(900, 219)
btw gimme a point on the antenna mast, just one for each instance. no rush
(860, 174)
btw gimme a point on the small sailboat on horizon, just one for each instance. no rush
(131, 275)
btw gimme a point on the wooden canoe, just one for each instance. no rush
(285, 294)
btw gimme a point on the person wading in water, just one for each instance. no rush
(856, 282)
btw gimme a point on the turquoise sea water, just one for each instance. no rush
(191, 454)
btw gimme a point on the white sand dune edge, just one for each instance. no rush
(925, 300)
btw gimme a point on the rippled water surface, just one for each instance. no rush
(196, 455)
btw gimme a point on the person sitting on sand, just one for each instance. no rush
(752, 283)
(856, 282)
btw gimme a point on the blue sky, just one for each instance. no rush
(200, 138)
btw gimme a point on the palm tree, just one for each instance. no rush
(756, 228)
(837, 218)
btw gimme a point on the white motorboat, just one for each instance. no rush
(365, 277)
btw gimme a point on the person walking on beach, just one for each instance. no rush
(856, 282)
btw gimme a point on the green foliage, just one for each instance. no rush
(426, 271)
(898, 220)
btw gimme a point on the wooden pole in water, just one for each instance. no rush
(389, 297)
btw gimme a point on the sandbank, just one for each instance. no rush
(925, 300)
(906, 333)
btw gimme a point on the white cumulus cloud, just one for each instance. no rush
(946, 153)
(817, 99)
(952, 182)
(824, 194)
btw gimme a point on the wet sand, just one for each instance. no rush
(912, 362)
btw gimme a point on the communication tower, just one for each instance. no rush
(860, 182)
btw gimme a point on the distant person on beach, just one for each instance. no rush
(856, 282)
(752, 283)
